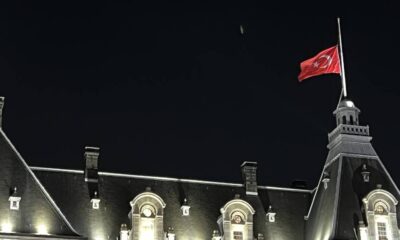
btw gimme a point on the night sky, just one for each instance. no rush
(175, 90)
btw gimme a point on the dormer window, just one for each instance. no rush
(325, 180)
(95, 201)
(185, 208)
(14, 203)
(147, 217)
(14, 199)
(381, 208)
(380, 212)
(271, 214)
(382, 234)
(147, 222)
(365, 173)
(237, 218)
(238, 223)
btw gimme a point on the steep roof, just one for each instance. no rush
(37, 209)
(204, 197)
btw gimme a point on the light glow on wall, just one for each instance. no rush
(6, 227)
(42, 229)
(146, 229)
(363, 233)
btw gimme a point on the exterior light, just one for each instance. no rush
(171, 234)
(216, 235)
(6, 227)
(42, 229)
(124, 233)
(363, 231)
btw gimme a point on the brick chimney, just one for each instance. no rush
(91, 159)
(249, 174)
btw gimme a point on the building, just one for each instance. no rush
(355, 198)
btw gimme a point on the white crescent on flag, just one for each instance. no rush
(317, 63)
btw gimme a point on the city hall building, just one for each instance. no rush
(355, 198)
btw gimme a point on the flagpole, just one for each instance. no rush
(342, 72)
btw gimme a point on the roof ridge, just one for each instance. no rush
(127, 175)
(41, 187)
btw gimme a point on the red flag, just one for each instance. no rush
(324, 62)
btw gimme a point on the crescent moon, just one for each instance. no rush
(328, 60)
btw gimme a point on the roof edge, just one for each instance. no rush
(41, 187)
(38, 236)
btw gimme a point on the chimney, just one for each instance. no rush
(249, 174)
(1, 109)
(91, 159)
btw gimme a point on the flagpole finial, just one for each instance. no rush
(342, 71)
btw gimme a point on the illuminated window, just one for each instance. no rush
(238, 222)
(237, 218)
(147, 217)
(95, 203)
(382, 235)
(237, 235)
(14, 202)
(147, 229)
(381, 208)
(147, 222)
(185, 208)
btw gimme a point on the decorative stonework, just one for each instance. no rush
(380, 211)
(237, 220)
(147, 215)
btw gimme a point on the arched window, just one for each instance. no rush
(344, 119)
(147, 216)
(381, 216)
(351, 120)
(237, 220)
(237, 224)
(146, 223)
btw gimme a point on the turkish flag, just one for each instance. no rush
(326, 61)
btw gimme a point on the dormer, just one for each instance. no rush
(185, 208)
(14, 199)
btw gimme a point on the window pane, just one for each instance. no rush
(238, 235)
(382, 231)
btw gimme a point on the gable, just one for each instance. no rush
(37, 214)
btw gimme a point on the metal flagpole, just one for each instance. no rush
(342, 72)
(340, 99)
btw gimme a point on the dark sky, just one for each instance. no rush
(175, 90)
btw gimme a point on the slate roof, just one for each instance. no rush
(61, 198)
(71, 193)
(36, 206)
